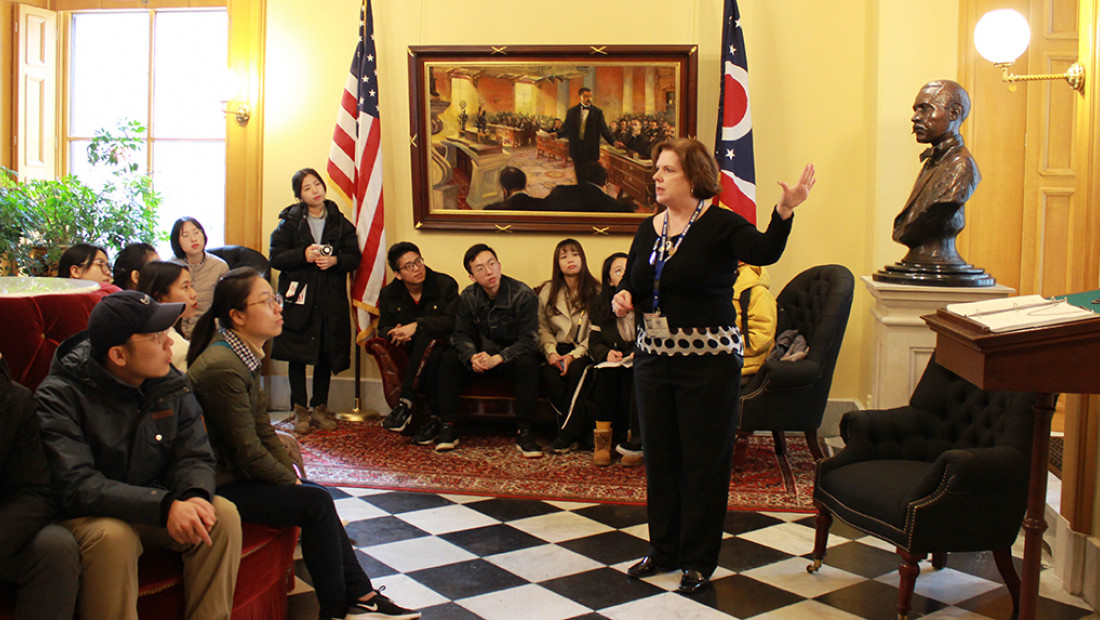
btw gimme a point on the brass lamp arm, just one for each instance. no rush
(1074, 76)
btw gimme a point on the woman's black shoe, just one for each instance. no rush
(647, 567)
(692, 581)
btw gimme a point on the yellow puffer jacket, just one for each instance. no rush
(761, 313)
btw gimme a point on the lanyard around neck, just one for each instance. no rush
(663, 250)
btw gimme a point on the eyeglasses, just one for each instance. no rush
(188, 235)
(272, 302)
(486, 268)
(412, 266)
(157, 337)
(102, 264)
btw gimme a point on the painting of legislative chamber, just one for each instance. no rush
(543, 138)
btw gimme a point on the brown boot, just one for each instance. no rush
(601, 453)
(301, 420)
(324, 418)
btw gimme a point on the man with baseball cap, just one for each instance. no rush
(132, 463)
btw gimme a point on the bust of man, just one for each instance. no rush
(933, 214)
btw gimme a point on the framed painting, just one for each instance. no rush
(546, 138)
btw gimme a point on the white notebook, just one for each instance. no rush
(1012, 313)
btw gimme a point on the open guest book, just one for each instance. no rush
(1023, 312)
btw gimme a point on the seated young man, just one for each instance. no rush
(132, 462)
(415, 309)
(39, 557)
(497, 333)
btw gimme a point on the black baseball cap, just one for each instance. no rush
(121, 315)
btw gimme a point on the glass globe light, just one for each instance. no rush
(1002, 36)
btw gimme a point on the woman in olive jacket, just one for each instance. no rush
(314, 247)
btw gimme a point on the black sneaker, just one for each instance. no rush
(447, 439)
(378, 607)
(564, 444)
(399, 418)
(527, 445)
(427, 435)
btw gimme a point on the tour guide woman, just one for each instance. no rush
(314, 246)
(253, 469)
(680, 274)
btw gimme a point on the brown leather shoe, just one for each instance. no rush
(601, 453)
(301, 420)
(324, 418)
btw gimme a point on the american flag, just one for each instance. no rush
(733, 139)
(355, 167)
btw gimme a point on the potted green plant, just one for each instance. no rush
(39, 219)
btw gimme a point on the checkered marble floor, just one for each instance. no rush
(459, 557)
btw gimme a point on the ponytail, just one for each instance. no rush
(231, 293)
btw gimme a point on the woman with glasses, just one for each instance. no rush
(168, 282)
(254, 470)
(84, 261)
(314, 247)
(189, 245)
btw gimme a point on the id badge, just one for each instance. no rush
(656, 326)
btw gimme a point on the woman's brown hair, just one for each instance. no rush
(697, 163)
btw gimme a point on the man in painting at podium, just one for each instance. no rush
(584, 124)
(587, 195)
(514, 183)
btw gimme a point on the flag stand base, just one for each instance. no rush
(357, 414)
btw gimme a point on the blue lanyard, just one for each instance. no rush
(661, 253)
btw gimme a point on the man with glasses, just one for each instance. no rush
(416, 309)
(496, 332)
(132, 464)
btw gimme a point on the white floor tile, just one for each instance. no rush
(570, 505)
(448, 519)
(791, 538)
(808, 610)
(954, 613)
(791, 576)
(543, 562)
(354, 509)
(462, 499)
(361, 492)
(638, 531)
(667, 606)
(407, 592)
(560, 526)
(945, 585)
(530, 602)
(426, 552)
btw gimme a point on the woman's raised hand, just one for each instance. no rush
(796, 195)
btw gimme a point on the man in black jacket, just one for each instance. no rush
(584, 125)
(132, 462)
(416, 309)
(41, 558)
(496, 332)
(587, 195)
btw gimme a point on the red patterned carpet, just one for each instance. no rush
(486, 463)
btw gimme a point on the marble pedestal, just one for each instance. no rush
(903, 343)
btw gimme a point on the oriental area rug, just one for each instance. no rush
(363, 454)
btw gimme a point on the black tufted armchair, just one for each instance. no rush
(947, 473)
(791, 396)
(241, 256)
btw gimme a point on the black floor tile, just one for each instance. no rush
(609, 547)
(512, 509)
(738, 555)
(447, 611)
(381, 530)
(998, 604)
(589, 616)
(838, 528)
(739, 522)
(466, 579)
(861, 559)
(871, 599)
(403, 501)
(743, 597)
(615, 515)
(601, 588)
(372, 567)
(980, 564)
(492, 539)
(336, 493)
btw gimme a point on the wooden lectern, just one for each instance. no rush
(1046, 360)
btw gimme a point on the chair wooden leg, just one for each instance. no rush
(939, 560)
(824, 521)
(908, 571)
(741, 450)
(814, 445)
(780, 442)
(1003, 558)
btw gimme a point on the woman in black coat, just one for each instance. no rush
(314, 247)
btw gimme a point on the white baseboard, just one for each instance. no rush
(1075, 556)
(341, 393)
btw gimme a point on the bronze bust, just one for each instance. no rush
(933, 215)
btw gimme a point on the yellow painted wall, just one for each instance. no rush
(831, 82)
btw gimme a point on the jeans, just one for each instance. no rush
(46, 571)
(524, 370)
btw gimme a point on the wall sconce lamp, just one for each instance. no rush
(1003, 35)
(230, 86)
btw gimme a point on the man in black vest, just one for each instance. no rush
(584, 124)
